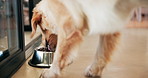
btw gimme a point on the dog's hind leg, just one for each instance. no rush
(107, 44)
(65, 53)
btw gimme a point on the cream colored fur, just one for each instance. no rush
(72, 20)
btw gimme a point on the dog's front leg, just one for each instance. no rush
(65, 53)
(107, 44)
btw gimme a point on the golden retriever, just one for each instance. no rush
(72, 20)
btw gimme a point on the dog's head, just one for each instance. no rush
(54, 16)
(39, 19)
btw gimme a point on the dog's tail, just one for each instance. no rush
(141, 3)
(144, 3)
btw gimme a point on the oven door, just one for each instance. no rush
(11, 37)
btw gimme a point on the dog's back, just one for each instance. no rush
(103, 16)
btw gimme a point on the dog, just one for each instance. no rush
(73, 20)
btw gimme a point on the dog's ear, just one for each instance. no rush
(36, 19)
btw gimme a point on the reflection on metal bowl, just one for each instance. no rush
(41, 59)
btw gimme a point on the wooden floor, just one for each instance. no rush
(130, 60)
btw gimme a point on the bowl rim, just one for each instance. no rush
(38, 65)
(44, 51)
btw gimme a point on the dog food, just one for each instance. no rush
(47, 49)
(43, 49)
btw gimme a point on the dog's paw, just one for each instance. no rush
(48, 74)
(91, 72)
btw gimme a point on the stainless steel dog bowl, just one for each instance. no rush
(41, 59)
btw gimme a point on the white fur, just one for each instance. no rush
(101, 15)
(47, 12)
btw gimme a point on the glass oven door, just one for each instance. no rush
(11, 37)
